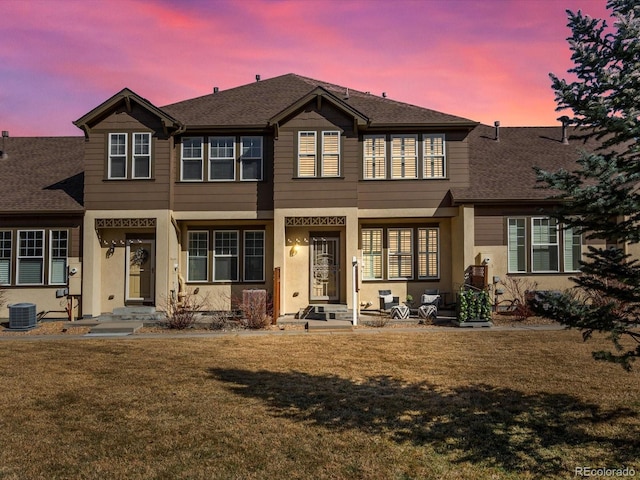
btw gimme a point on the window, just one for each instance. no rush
(375, 158)
(544, 245)
(404, 156)
(30, 257)
(225, 256)
(331, 154)
(535, 246)
(372, 254)
(141, 155)
(192, 162)
(572, 250)
(306, 154)
(117, 167)
(198, 257)
(517, 248)
(222, 158)
(251, 158)
(254, 255)
(5, 257)
(400, 258)
(58, 252)
(434, 156)
(428, 252)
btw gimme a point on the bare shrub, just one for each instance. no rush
(183, 310)
(256, 309)
(377, 321)
(518, 291)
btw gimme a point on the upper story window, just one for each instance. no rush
(191, 159)
(319, 157)
(404, 156)
(433, 156)
(141, 155)
(251, 158)
(542, 246)
(123, 159)
(222, 158)
(307, 154)
(375, 157)
(117, 155)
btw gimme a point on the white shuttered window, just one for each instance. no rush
(372, 253)
(307, 154)
(400, 259)
(404, 156)
(375, 157)
(434, 156)
(331, 154)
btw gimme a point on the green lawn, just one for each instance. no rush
(455, 405)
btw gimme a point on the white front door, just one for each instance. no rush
(325, 269)
(140, 273)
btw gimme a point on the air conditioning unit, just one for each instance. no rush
(22, 316)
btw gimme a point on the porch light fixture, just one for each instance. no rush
(112, 249)
(294, 249)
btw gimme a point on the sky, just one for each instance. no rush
(484, 60)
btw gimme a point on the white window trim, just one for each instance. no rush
(509, 255)
(533, 244)
(373, 255)
(134, 155)
(111, 155)
(411, 253)
(332, 132)
(427, 156)
(314, 134)
(20, 257)
(243, 157)
(51, 257)
(373, 163)
(404, 157)
(244, 254)
(10, 257)
(183, 158)
(189, 280)
(237, 256)
(212, 159)
(427, 253)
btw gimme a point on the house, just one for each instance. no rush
(279, 184)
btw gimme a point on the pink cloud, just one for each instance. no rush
(481, 60)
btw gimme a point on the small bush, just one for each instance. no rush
(256, 310)
(519, 290)
(182, 311)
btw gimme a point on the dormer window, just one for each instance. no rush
(122, 159)
(313, 162)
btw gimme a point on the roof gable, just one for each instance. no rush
(126, 96)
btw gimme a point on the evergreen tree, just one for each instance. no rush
(601, 198)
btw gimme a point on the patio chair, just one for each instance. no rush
(387, 300)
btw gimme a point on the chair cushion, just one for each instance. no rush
(429, 299)
(388, 298)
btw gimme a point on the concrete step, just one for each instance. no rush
(327, 325)
(115, 328)
(327, 312)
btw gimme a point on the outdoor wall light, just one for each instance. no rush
(294, 249)
(112, 249)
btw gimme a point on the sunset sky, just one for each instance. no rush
(484, 60)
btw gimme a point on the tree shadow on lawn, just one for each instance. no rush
(477, 423)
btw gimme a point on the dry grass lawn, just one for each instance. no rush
(384, 405)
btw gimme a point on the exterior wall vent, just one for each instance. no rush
(22, 316)
(216, 89)
(496, 125)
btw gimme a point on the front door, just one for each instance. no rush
(140, 271)
(325, 269)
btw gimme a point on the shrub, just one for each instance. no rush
(183, 310)
(256, 308)
(519, 290)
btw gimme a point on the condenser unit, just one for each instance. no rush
(22, 316)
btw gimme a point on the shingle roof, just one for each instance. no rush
(255, 103)
(503, 170)
(42, 175)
